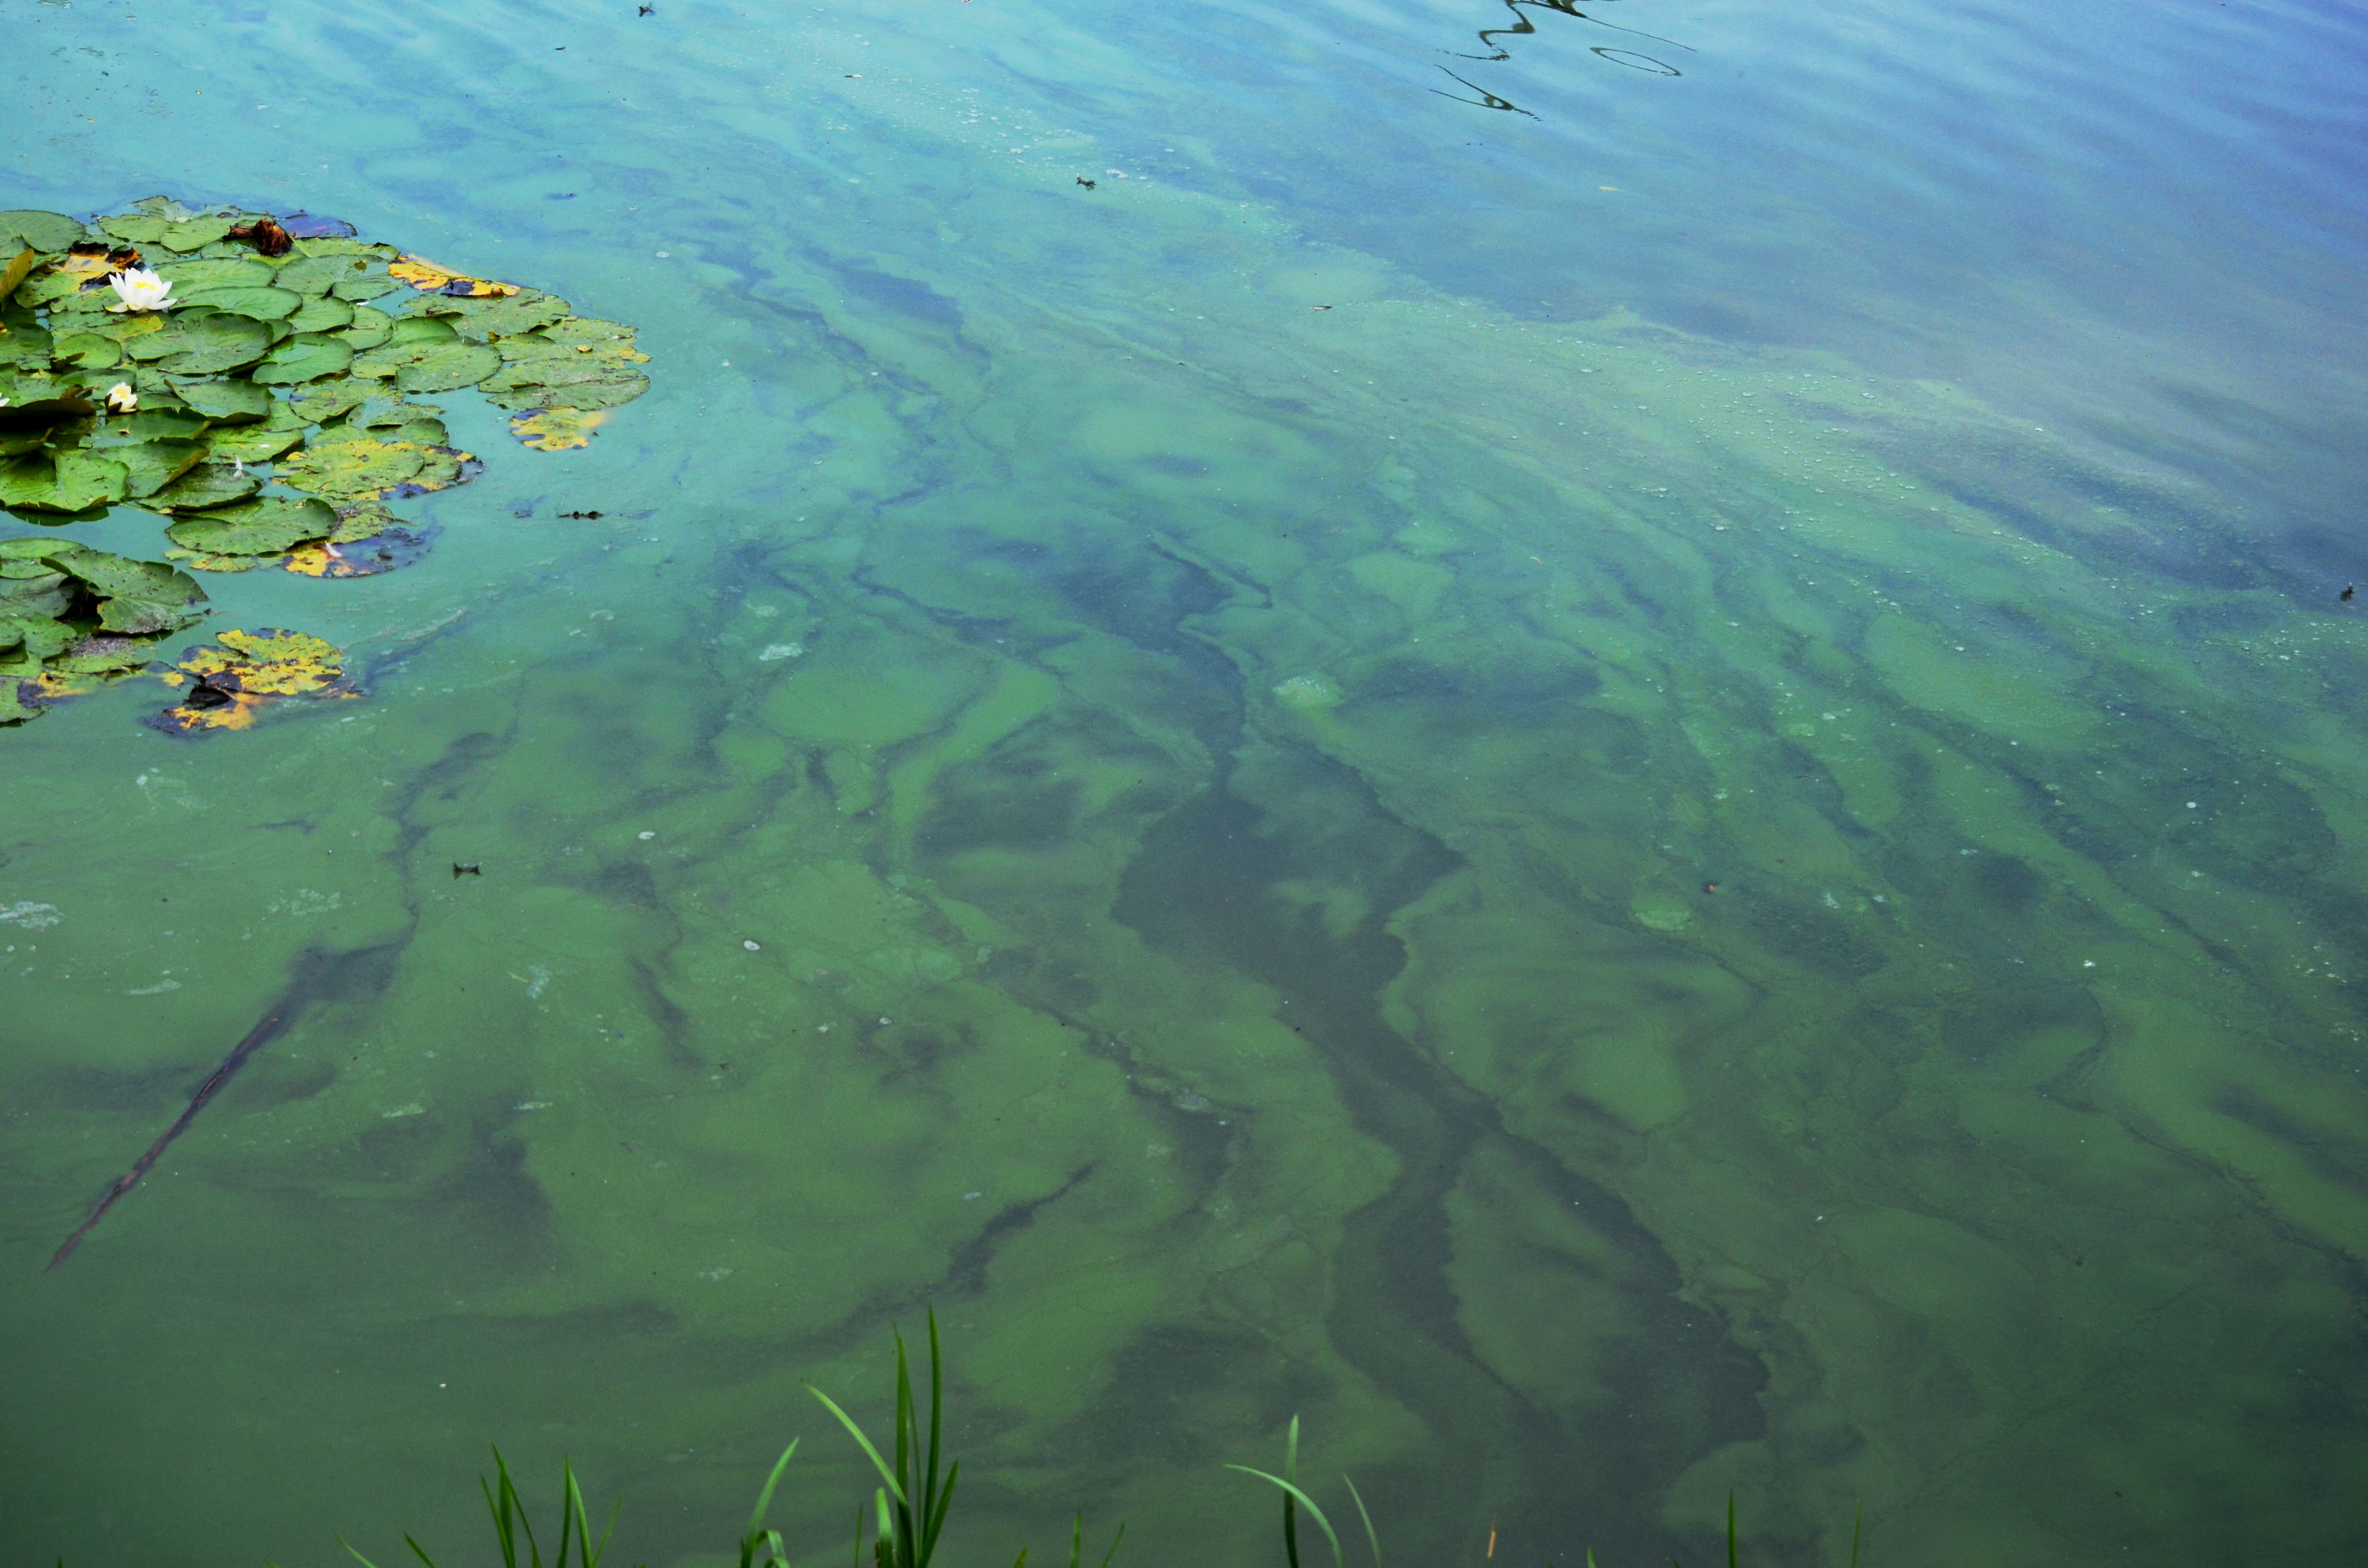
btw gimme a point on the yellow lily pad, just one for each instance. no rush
(557, 430)
(427, 277)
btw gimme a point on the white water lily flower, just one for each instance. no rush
(121, 399)
(139, 289)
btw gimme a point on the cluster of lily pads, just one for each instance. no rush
(249, 379)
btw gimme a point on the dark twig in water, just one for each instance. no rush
(319, 977)
(255, 1040)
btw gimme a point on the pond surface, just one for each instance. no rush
(1620, 758)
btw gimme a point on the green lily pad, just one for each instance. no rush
(370, 282)
(480, 320)
(39, 637)
(251, 443)
(352, 471)
(188, 278)
(203, 344)
(275, 532)
(149, 424)
(26, 345)
(305, 358)
(371, 327)
(324, 314)
(227, 400)
(69, 481)
(51, 231)
(324, 401)
(135, 228)
(593, 391)
(260, 302)
(312, 276)
(194, 233)
(87, 350)
(47, 593)
(102, 655)
(120, 329)
(153, 465)
(447, 367)
(139, 597)
(204, 485)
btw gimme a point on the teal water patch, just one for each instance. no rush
(1605, 916)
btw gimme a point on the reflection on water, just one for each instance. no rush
(1606, 915)
(1523, 26)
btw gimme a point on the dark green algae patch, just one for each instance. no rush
(255, 391)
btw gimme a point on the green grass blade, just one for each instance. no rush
(1022, 1561)
(1113, 1545)
(905, 1459)
(1290, 1509)
(857, 1433)
(1730, 1530)
(1077, 1542)
(858, 1536)
(929, 1509)
(571, 1508)
(1306, 1501)
(1857, 1523)
(945, 1501)
(1371, 1538)
(765, 1498)
(615, 1508)
(419, 1551)
(357, 1556)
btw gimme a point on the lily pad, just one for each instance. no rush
(370, 327)
(205, 485)
(233, 678)
(87, 351)
(557, 430)
(138, 596)
(260, 302)
(305, 358)
(195, 234)
(101, 653)
(251, 443)
(203, 344)
(222, 272)
(356, 471)
(68, 481)
(38, 231)
(227, 400)
(151, 466)
(272, 533)
(324, 401)
(447, 367)
(324, 314)
(427, 277)
(480, 320)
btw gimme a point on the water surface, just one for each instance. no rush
(1650, 794)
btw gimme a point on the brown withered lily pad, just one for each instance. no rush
(227, 683)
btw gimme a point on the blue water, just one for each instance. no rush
(1615, 750)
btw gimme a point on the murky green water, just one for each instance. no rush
(1609, 914)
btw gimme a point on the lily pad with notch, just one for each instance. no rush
(204, 486)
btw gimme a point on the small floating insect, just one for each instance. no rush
(1084, 181)
(469, 869)
(2348, 588)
